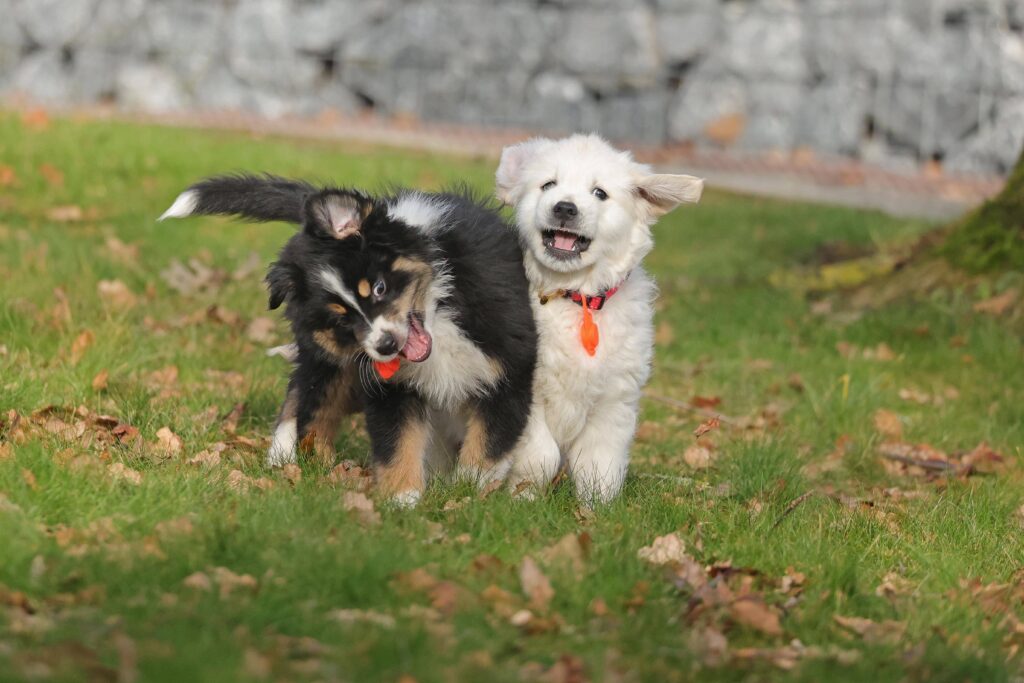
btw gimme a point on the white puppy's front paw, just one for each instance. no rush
(484, 476)
(282, 449)
(407, 499)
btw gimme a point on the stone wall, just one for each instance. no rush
(891, 81)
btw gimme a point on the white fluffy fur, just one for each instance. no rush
(282, 449)
(419, 210)
(183, 206)
(585, 407)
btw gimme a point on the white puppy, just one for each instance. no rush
(584, 212)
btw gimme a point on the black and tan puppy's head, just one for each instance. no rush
(356, 280)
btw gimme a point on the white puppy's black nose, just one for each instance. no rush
(387, 345)
(565, 211)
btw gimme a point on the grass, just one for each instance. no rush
(93, 568)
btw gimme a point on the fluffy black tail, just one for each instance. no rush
(260, 198)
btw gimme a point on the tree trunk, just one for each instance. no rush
(992, 236)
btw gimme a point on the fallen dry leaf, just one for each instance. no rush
(7, 176)
(120, 472)
(998, 304)
(705, 401)
(99, 382)
(29, 478)
(570, 551)
(230, 422)
(754, 613)
(873, 632)
(357, 502)
(697, 456)
(115, 295)
(261, 330)
(292, 473)
(127, 254)
(887, 423)
(79, 346)
(206, 458)
(706, 426)
(70, 213)
(51, 174)
(667, 549)
(167, 441)
(535, 585)
(893, 585)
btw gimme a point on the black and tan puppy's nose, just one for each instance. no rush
(387, 345)
(565, 211)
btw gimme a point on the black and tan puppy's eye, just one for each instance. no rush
(380, 288)
(548, 185)
(599, 193)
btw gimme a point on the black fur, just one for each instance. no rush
(489, 297)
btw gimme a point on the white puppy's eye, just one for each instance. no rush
(548, 185)
(599, 193)
(380, 288)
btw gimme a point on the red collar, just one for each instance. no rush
(594, 303)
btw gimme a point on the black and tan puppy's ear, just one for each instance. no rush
(336, 214)
(281, 283)
(662, 192)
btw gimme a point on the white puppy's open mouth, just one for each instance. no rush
(564, 244)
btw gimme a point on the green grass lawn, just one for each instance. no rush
(122, 560)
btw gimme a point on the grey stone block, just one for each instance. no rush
(43, 76)
(150, 88)
(684, 37)
(997, 144)
(609, 49)
(54, 23)
(833, 114)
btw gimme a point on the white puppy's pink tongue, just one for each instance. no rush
(418, 344)
(565, 241)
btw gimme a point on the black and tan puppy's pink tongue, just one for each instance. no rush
(417, 346)
(565, 241)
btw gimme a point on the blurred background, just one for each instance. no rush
(910, 86)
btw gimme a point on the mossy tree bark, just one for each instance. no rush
(992, 236)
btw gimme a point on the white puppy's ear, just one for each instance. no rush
(510, 169)
(663, 192)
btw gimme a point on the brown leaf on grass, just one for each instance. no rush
(893, 585)
(752, 612)
(198, 581)
(256, 665)
(7, 176)
(99, 382)
(205, 458)
(997, 305)
(230, 422)
(873, 632)
(982, 459)
(261, 330)
(69, 213)
(915, 396)
(29, 478)
(706, 401)
(292, 473)
(163, 378)
(568, 669)
(6, 451)
(193, 278)
(887, 423)
(115, 295)
(80, 345)
(357, 502)
(128, 254)
(176, 527)
(706, 426)
(51, 174)
(667, 549)
(167, 441)
(35, 119)
(570, 552)
(504, 603)
(536, 586)
(228, 582)
(360, 616)
(710, 645)
(120, 472)
(698, 457)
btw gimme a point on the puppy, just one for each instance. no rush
(413, 307)
(584, 212)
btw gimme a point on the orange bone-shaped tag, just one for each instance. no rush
(387, 370)
(589, 335)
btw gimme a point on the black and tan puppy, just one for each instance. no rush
(413, 307)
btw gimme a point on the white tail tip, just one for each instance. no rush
(183, 206)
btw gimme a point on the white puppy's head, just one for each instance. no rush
(584, 209)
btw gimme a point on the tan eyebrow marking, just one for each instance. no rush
(337, 308)
(364, 288)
